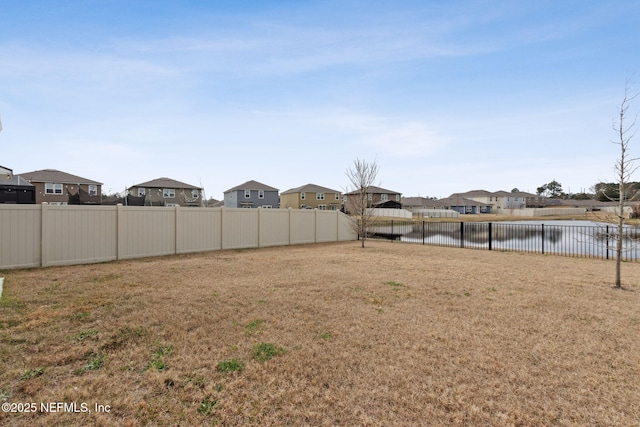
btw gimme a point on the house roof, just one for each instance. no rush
(15, 181)
(458, 201)
(310, 188)
(165, 183)
(474, 193)
(252, 185)
(416, 201)
(56, 176)
(374, 190)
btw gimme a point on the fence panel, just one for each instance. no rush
(326, 226)
(198, 229)
(303, 227)
(81, 234)
(146, 231)
(20, 234)
(274, 227)
(240, 228)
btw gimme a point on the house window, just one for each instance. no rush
(303, 196)
(265, 206)
(168, 193)
(140, 192)
(369, 196)
(260, 194)
(247, 194)
(337, 196)
(397, 197)
(51, 188)
(322, 207)
(195, 194)
(93, 190)
(319, 196)
(384, 197)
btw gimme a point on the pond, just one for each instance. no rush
(574, 238)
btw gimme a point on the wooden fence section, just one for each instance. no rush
(45, 235)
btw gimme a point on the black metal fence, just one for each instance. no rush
(586, 241)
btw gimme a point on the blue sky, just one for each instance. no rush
(447, 96)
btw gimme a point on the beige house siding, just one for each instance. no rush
(311, 196)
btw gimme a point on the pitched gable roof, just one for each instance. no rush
(56, 176)
(474, 193)
(374, 190)
(310, 188)
(165, 183)
(252, 185)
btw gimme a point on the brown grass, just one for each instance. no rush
(393, 334)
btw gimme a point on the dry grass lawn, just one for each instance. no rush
(393, 334)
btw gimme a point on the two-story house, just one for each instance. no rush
(167, 192)
(61, 188)
(311, 196)
(376, 198)
(251, 194)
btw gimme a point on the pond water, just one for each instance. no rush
(575, 238)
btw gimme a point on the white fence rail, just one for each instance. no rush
(44, 235)
(391, 213)
(546, 211)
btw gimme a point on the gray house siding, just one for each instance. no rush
(237, 199)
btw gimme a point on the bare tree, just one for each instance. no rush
(624, 168)
(362, 175)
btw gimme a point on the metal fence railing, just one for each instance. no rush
(587, 241)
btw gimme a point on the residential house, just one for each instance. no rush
(463, 205)
(311, 196)
(15, 189)
(417, 203)
(251, 194)
(166, 192)
(503, 201)
(376, 198)
(61, 188)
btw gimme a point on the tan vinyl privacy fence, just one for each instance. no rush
(45, 235)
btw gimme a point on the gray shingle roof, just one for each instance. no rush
(310, 188)
(252, 185)
(375, 190)
(165, 183)
(56, 176)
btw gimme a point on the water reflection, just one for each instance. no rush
(575, 238)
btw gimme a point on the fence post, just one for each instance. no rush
(178, 220)
(607, 242)
(423, 231)
(462, 234)
(290, 225)
(44, 230)
(120, 230)
(489, 236)
(542, 234)
(222, 227)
